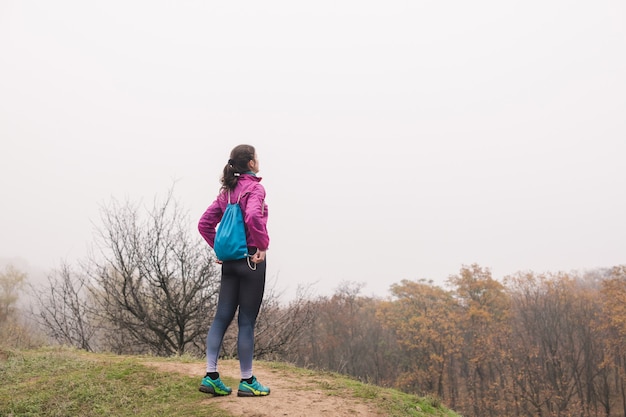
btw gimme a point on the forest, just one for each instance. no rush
(530, 344)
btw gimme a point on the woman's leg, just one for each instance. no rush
(226, 307)
(250, 298)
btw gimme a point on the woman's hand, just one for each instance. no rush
(258, 257)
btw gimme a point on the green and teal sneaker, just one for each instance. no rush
(252, 389)
(214, 386)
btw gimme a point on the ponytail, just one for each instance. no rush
(237, 164)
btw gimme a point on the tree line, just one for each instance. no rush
(549, 345)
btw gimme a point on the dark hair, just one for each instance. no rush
(237, 164)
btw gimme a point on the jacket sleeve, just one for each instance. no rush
(256, 218)
(209, 220)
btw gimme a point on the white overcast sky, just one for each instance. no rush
(397, 139)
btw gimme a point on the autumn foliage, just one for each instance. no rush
(549, 345)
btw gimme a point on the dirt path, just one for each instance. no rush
(291, 395)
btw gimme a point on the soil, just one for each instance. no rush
(291, 395)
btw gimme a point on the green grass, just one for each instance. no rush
(65, 382)
(62, 382)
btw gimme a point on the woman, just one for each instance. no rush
(243, 280)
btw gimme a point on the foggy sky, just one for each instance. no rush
(397, 140)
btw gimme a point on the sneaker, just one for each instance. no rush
(214, 386)
(255, 389)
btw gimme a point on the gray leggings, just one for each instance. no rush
(240, 287)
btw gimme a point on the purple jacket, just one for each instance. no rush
(252, 205)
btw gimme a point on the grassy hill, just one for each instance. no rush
(67, 382)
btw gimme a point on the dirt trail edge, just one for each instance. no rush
(291, 395)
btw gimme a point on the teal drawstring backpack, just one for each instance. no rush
(230, 238)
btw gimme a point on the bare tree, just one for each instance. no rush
(153, 285)
(63, 309)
